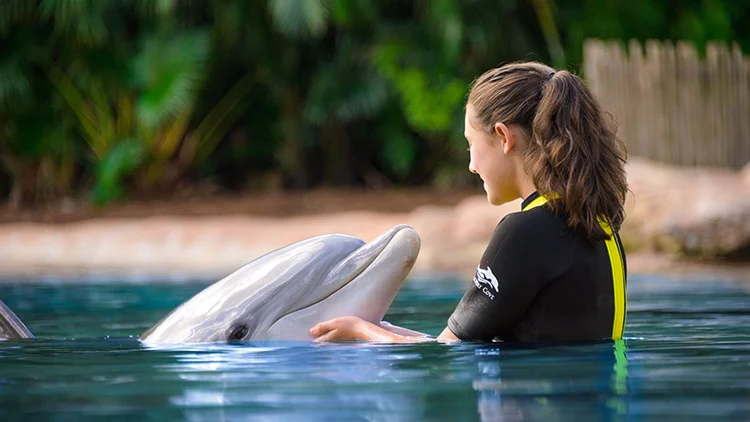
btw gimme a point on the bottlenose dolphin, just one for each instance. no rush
(281, 295)
(11, 326)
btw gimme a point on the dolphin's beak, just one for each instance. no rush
(401, 243)
(363, 284)
(378, 284)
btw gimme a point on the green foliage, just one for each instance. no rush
(167, 73)
(217, 123)
(111, 97)
(32, 140)
(695, 20)
(82, 21)
(430, 103)
(399, 148)
(14, 85)
(138, 110)
(124, 157)
(299, 19)
(352, 13)
(12, 12)
(346, 88)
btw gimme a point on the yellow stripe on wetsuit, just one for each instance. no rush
(618, 278)
(618, 271)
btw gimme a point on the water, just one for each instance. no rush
(686, 356)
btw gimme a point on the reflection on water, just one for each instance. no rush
(567, 381)
(278, 380)
(685, 357)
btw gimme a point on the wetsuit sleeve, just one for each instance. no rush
(509, 276)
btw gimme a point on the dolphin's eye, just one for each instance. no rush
(238, 333)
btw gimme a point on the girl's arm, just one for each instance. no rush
(355, 328)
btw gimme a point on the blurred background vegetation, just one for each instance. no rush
(102, 100)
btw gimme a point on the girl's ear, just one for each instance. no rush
(506, 137)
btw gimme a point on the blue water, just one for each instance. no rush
(686, 356)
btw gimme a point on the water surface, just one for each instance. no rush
(686, 356)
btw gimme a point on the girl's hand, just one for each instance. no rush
(344, 328)
(355, 328)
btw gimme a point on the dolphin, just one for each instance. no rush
(282, 294)
(11, 327)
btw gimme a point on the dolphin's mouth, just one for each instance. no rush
(389, 246)
(351, 267)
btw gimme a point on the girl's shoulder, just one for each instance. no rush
(539, 222)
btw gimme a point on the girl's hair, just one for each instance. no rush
(571, 149)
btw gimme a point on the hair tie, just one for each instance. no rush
(550, 75)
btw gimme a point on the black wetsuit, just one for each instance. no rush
(539, 281)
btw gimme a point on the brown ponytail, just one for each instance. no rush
(571, 152)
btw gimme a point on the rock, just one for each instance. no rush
(714, 230)
(697, 211)
(745, 174)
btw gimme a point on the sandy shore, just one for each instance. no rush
(205, 248)
(672, 213)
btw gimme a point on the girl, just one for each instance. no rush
(555, 271)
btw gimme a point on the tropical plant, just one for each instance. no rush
(34, 143)
(121, 96)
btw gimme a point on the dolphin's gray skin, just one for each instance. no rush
(11, 327)
(283, 294)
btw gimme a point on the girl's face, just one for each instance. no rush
(489, 159)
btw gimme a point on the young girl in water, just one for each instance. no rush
(554, 271)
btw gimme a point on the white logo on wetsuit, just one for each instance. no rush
(486, 277)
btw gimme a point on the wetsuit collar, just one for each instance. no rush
(529, 199)
(534, 200)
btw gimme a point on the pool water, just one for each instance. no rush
(686, 356)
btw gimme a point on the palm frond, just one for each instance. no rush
(83, 19)
(15, 86)
(125, 156)
(214, 127)
(343, 95)
(445, 17)
(167, 74)
(14, 12)
(299, 19)
(85, 114)
(399, 150)
(348, 87)
(156, 8)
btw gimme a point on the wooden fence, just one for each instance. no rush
(672, 105)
